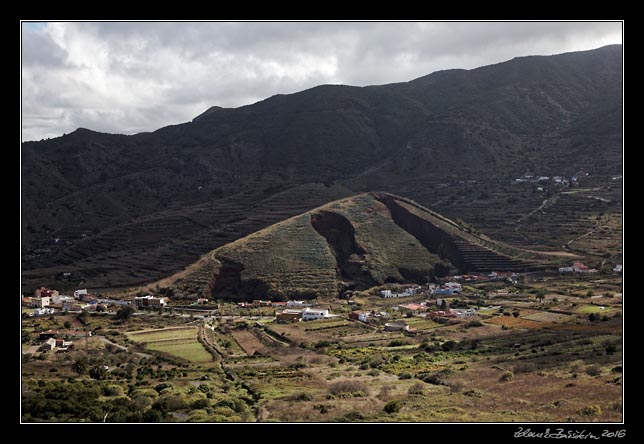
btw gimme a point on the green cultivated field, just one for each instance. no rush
(179, 342)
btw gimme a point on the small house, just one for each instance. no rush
(312, 314)
(396, 326)
(288, 315)
(48, 345)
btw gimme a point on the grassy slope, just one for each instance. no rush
(290, 256)
(389, 248)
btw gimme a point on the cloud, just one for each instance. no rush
(129, 77)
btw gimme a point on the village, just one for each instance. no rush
(388, 307)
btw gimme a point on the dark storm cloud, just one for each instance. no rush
(130, 77)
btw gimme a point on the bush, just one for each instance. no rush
(416, 389)
(349, 389)
(163, 386)
(449, 345)
(474, 323)
(593, 370)
(405, 376)
(591, 410)
(373, 372)
(300, 397)
(397, 343)
(507, 376)
(473, 393)
(393, 407)
(200, 404)
(351, 417)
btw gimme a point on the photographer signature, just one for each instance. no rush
(568, 434)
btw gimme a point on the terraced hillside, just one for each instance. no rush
(116, 211)
(354, 243)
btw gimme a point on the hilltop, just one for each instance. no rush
(353, 243)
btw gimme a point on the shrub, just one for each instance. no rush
(449, 345)
(374, 372)
(593, 370)
(300, 397)
(348, 389)
(200, 404)
(473, 393)
(376, 361)
(416, 389)
(163, 386)
(392, 407)
(474, 323)
(397, 343)
(455, 387)
(351, 417)
(591, 410)
(507, 376)
(404, 376)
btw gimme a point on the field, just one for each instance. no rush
(513, 322)
(180, 342)
(546, 316)
(551, 363)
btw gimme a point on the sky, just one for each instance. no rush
(130, 77)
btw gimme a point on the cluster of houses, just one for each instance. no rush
(557, 180)
(47, 301)
(257, 303)
(577, 267)
(407, 290)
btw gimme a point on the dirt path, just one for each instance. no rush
(122, 347)
(543, 205)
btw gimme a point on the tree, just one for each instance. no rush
(124, 313)
(80, 366)
(541, 295)
(591, 317)
(67, 324)
(98, 371)
(443, 304)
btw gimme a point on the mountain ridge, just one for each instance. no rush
(111, 200)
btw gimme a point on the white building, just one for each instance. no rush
(311, 314)
(43, 311)
(363, 317)
(61, 299)
(464, 313)
(149, 301)
(566, 270)
(618, 268)
(408, 290)
(41, 302)
(77, 293)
